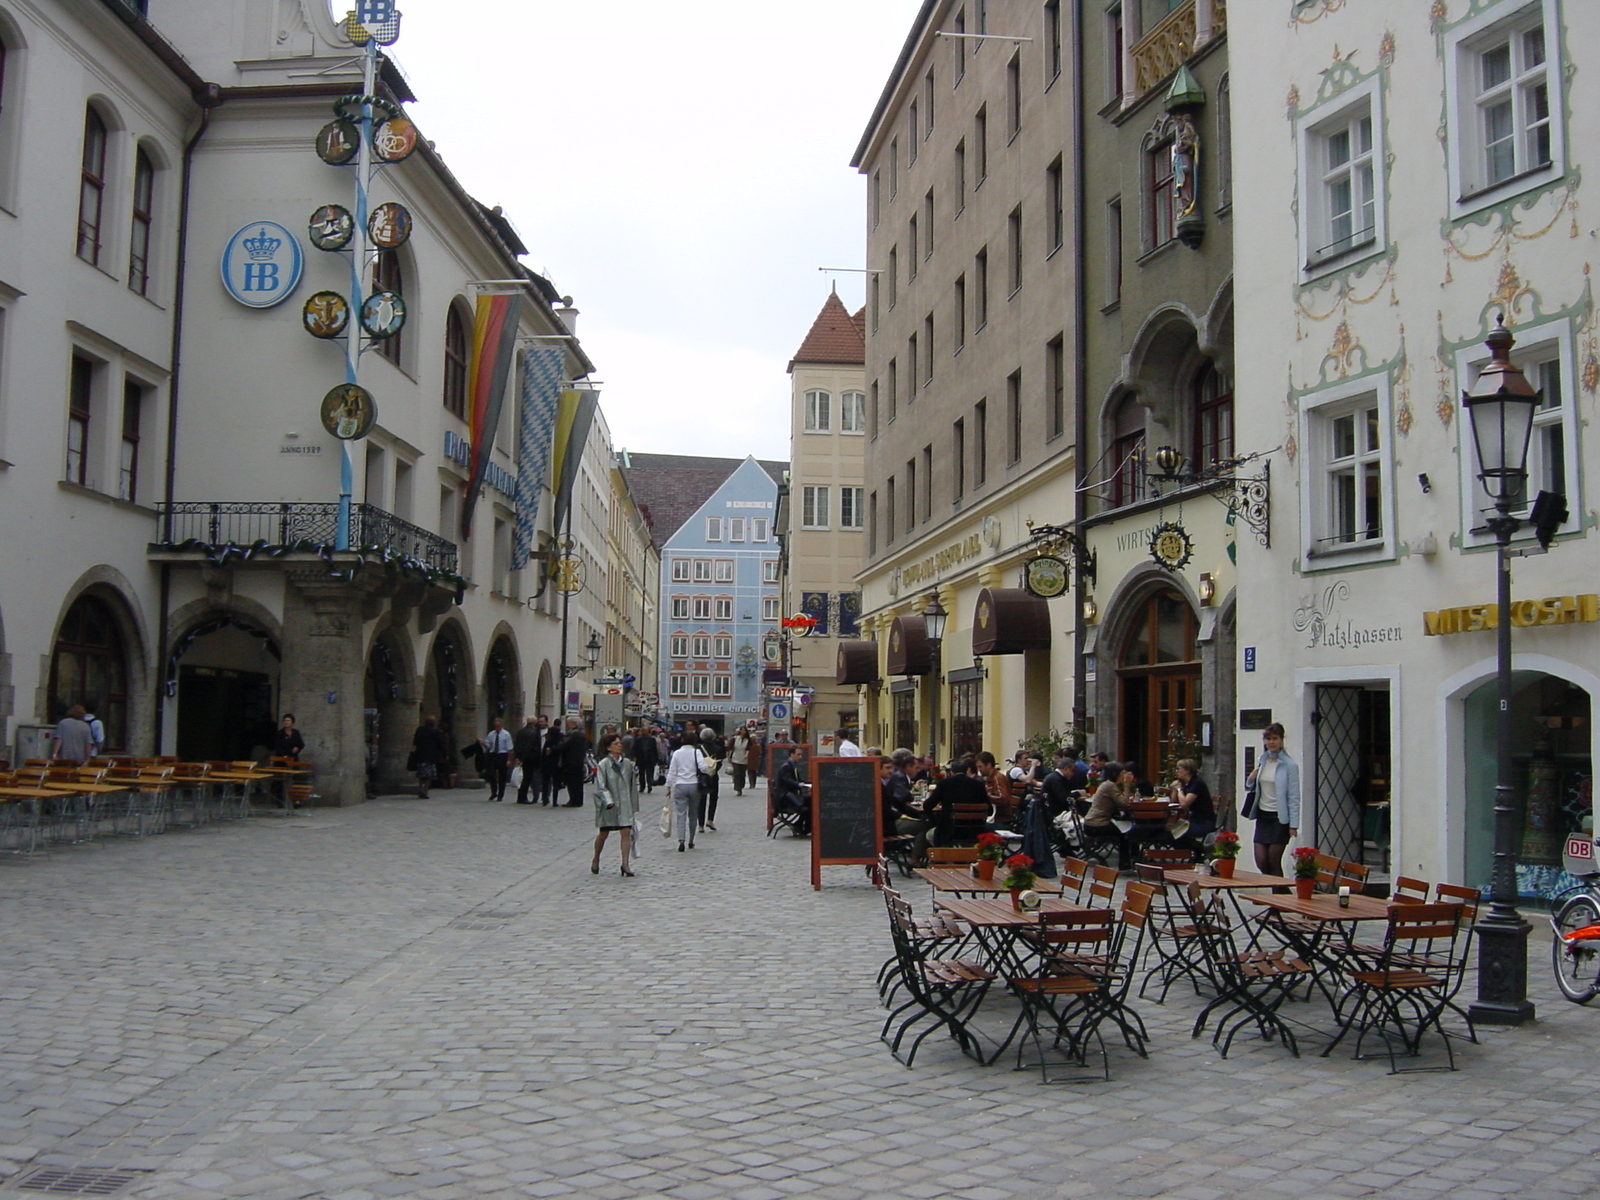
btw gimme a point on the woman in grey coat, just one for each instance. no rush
(616, 800)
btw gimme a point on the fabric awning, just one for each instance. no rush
(1010, 621)
(857, 663)
(909, 652)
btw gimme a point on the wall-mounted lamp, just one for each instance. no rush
(1091, 613)
(1208, 589)
(977, 665)
(1169, 461)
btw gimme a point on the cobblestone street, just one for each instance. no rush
(436, 999)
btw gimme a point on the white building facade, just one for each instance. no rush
(1383, 250)
(181, 572)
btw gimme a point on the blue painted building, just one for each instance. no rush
(720, 601)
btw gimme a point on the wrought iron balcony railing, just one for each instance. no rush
(286, 524)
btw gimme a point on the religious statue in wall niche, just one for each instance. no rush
(1185, 165)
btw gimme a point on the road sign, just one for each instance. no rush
(780, 711)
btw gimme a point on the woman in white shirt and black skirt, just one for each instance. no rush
(1274, 801)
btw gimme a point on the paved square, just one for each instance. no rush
(436, 999)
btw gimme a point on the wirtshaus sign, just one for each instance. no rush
(1525, 614)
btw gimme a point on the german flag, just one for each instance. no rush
(494, 345)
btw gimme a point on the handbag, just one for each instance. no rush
(1248, 811)
(413, 759)
(666, 820)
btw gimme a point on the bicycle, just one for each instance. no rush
(1575, 924)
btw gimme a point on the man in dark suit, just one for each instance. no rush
(527, 749)
(550, 764)
(647, 757)
(574, 768)
(789, 796)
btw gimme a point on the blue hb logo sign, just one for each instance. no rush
(262, 264)
(374, 12)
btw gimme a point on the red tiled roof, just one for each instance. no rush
(835, 337)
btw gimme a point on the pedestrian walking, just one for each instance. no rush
(527, 752)
(550, 764)
(496, 757)
(429, 753)
(843, 746)
(97, 732)
(683, 785)
(752, 758)
(646, 758)
(74, 738)
(714, 749)
(616, 800)
(738, 758)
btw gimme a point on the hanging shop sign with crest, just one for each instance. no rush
(1046, 576)
(1171, 545)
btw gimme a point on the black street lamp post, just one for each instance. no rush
(933, 617)
(1502, 410)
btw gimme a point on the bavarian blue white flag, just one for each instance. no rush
(542, 371)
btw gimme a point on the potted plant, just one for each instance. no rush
(990, 847)
(1305, 871)
(1224, 849)
(1020, 877)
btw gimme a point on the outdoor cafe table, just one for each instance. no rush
(958, 881)
(996, 922)
(32, 797)
(1317, 922)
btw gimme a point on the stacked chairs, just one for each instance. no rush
(936, 926)
(1084, 966)
(22, 821)
(187, 803)
(1406, 989)
(943, 991)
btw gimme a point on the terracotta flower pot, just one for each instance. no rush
(986, 868)
(1016, 898)
(1304, 887)
(1224, 867)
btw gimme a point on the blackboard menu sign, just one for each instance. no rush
(846, 813)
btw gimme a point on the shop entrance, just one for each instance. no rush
(1554, 777)
(1351, 773)
(1160, 679)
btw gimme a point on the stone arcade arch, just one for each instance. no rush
(222, 667)
(389, 704)
(502, 679)
(448, 690)
(99, 658)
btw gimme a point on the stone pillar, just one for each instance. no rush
(322, 679)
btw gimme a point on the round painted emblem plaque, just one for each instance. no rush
(331, 227)
(389, 225)
(383, 314)
(338, 141)
(325, 314)
(394, 140)
(1170, 545)
(348, 412)
(262, 264)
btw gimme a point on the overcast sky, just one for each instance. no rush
(680, 170)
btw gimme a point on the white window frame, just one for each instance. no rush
(814, 505)
(1319, 249)
(680, 608)
(724, 570)
(677, 685)
(769, 570)
(679, 643)
(722, 646)
(1470, 188)
(736, 529)
(702, 608)
(722, 687)
(680, 570)
(713, 529)
(724, 608)
(851, 506)
(700, 685)
(1546, 342)
(702, 646)
(702, 570)
(758, 529)
(853, 412)
(819, 411)
(769, 608)
(1318, 466)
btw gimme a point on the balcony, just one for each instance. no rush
(1180, 33)
(285, 526)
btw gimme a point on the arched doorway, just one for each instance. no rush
(502, 683)
(390, 709)
(1160, 678)
(545, 696)
(226, 670)
(89, 666)
(447, 690)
